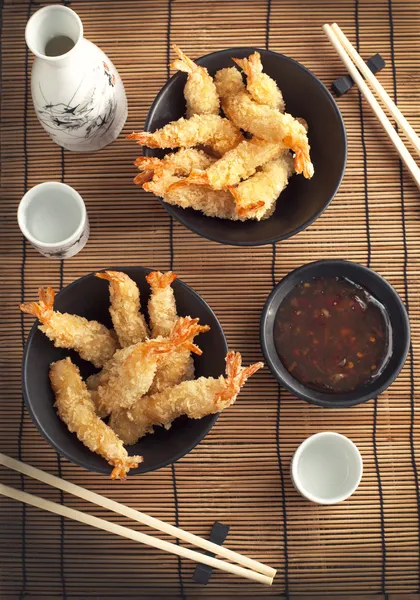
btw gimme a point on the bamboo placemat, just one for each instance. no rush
(240, 473)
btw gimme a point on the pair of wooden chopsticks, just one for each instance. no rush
(251, 569)
(354, 63)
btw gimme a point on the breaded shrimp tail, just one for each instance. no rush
(158, 280)
(184, 330)
(196, 399)
(262, 88)
(92, 340)
(183, 63)
(236, 376)
(243, 212)
(43, 309)
(196, 177)
(130, 372)
(142, 178)
(144, 138)
(199, 91)
(75, 407)
(162, 305)
(130, 325)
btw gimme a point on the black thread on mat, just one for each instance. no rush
(171, 266)
(59, 469)
(369, 256)
(381, 497)
(406, 290)
(267, 25)
(364, 151)
(22, 298)
(278, 414)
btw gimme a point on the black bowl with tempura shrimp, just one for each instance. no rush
(304, 199)
(88, 297)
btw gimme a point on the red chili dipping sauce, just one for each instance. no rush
(332, 335)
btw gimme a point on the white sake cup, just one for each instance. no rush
(327, 468)
(53, 218)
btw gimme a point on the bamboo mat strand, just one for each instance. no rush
(367, 546)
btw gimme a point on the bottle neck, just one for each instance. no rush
(54, 34)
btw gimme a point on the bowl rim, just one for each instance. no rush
(180, 216)
(81, 463)
(316, 397)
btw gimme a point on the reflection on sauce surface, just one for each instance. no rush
(332, 335)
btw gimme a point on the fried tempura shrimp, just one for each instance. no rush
(166, 171)
(196, 399)
(256, 197)
(209, 130)
(162, 305)
(176, 366)
(75, 407)
(212, 203)
(262, 88)
(92, 340)
(237, 164)
(129, 324)
(130, 372)
(199, 91)
(262, 121)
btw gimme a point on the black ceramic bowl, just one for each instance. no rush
(378, 287)
(89, 298)
(303, 200)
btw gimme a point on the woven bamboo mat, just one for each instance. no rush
(240, 473)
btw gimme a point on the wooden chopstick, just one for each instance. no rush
(137, 536)
(383, 119)
(377, 87)
(136, 515)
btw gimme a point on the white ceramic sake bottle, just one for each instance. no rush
(78, 95)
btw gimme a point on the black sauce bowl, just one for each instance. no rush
(89, 297)
(378, 287)
(303, 200)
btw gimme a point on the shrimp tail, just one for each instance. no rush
(184, 330)
(158, 280)
(144, 138)
(182, 63)
(113, 276)
(243, 211)
(302, 161)
(43, 309)
(251, 66)
(147, 163)
(196, 177)
(123, 465)
(143, 178)
(236, 376)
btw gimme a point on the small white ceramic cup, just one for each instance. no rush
(53, 218)
(327, 468)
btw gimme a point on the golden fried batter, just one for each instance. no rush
(92, 340)
(262, 121)
(209, 130)
(176, 366)
(162, 305)
(196, 399)
(130, 372)
(257, 196)
(129, 324)
(262, 88)
(75, 407)
(165, 172)
(237, 164)
(199, 91)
